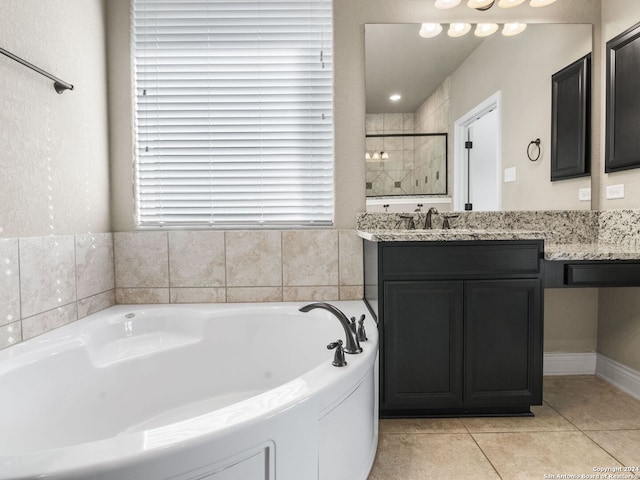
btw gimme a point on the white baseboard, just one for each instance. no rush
(619, 375)
(569, 364)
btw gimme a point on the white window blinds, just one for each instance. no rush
(234, 119)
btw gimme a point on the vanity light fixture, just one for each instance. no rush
(430, 30)
(480, 4)
(511, 29)
(445, 4)
(485, 29)
(458, 29)
(395, 97)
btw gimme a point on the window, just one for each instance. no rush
(234, 122)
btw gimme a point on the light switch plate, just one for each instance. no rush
(510, 174)
(584, 194)
(615, 191)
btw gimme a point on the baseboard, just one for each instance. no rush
(569, 364)
(619, 375)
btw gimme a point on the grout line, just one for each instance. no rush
(485, 455)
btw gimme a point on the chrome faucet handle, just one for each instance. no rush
(411, 224)
(445, 221)
(338, 358)
(352, 324)
(362, 335)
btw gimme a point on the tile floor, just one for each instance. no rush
(584, 424)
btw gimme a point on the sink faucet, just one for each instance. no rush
(353, 345)
(427, 221)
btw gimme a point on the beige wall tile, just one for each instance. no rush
(254, 258)
(254, 294)
(94, 264)
(351, 292)
(307, 294)
(310, 257)
(10, 334)
(141, 259)
(95, 303)
(350, 258)
(47, 273)
(9, 281)
(198, 295)
(39, 324)
(196, 259)
(141, 295)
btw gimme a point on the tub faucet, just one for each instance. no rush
(353, 345)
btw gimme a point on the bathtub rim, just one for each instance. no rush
(131, 447)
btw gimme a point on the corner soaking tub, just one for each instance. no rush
(217, 392)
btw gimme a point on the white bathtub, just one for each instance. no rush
(219, 392)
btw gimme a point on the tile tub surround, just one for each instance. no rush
(47, 282)
(238, 266)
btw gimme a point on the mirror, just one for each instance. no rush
(443, 81)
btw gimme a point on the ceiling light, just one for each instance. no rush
(511, 29)
(395, 97)
(540, 3)
(458, 29)
(444, 4)
(480, 4)
(485, 29)
(430, 30)
(510, 3)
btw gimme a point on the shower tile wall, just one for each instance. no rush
(46, 282)
(410, 160)
(238, 266)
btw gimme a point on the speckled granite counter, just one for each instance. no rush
(438, 235)
(568, 235)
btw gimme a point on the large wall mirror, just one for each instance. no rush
(494, 90)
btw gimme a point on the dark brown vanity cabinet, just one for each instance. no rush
(460, 325)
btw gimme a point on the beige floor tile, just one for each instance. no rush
(624, 445)
(532, 455)
(429, 456)
(590, 403)
(546, 419)
(421, 425)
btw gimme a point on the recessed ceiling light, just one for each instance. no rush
(430, 30)
(444, 4)
(395, 97)
(511, 29)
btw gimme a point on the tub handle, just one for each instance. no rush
(362, 334)
(338, 358)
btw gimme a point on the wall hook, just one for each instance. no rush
(536, 144)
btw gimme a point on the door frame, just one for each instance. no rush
(494, 102)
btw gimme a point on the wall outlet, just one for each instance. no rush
(615, 191)
(584, 194)
(510, 174)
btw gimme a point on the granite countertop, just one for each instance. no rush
(438, 235)
(590, 251)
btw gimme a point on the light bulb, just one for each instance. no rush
(444, 4)
(485, 29)
(430, 30)
(458, 29)
(480, 4)
(511, 29)
(384, 156)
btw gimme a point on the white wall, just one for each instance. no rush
(521, 68)
(53, 148)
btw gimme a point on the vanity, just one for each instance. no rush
(460, 311)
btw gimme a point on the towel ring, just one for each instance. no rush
(535, 142)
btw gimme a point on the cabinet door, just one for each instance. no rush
(503, 343)
(422, 335)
